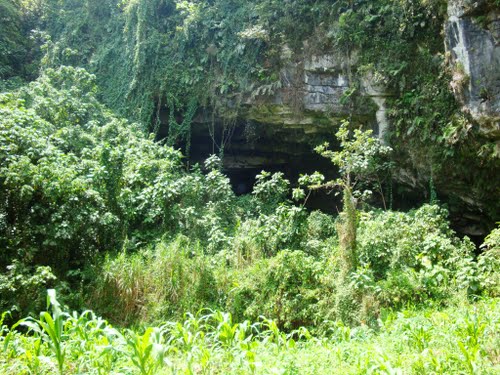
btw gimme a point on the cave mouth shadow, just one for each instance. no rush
(255, 147)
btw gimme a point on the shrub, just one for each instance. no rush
(393, 240)
(488, 264)
(415, 257)
(270, 190)
(319, 236)
(22, 288)
(284, 288)
(76, 181)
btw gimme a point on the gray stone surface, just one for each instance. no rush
(313, 92)
(377, 91)
(473, 44)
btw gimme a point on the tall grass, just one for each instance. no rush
(166, 279)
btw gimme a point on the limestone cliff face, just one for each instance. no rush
(311, 87)
(473, 44)
(319, 89)
(279, 125)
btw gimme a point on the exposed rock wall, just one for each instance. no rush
(315, 93)
(473, 43)
(318, 89)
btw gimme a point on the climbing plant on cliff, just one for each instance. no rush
(11, 38)
(18, 57)
(150, 54)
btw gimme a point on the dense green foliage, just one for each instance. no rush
(11, 38)
(79, 184)
(20, 22)
(76, 181)
(94, 205)
(211, 57)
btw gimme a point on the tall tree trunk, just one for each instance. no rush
(347, 233)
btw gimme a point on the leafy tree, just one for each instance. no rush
(270, 190)
(360, 158)
(76, 181)
(12, 40)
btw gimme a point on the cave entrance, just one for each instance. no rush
(248, 147)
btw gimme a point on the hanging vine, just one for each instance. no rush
(180, 132)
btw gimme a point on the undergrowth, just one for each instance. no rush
(463, 339)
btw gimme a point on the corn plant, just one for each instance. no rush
(141, 350)
(50, 328)
(91, 341)
(272, 334)
(419, 337)
(470, 335)
(339, 332)
(461, 340)
(384, 366)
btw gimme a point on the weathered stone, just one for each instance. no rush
(472, 41)
(377, 90)
(335, 80)
(329, 62)
(313, 89)
(322, 102)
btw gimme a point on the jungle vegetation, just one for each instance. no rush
(118, 256)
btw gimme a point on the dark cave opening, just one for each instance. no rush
(253, 147)
(249, 147)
